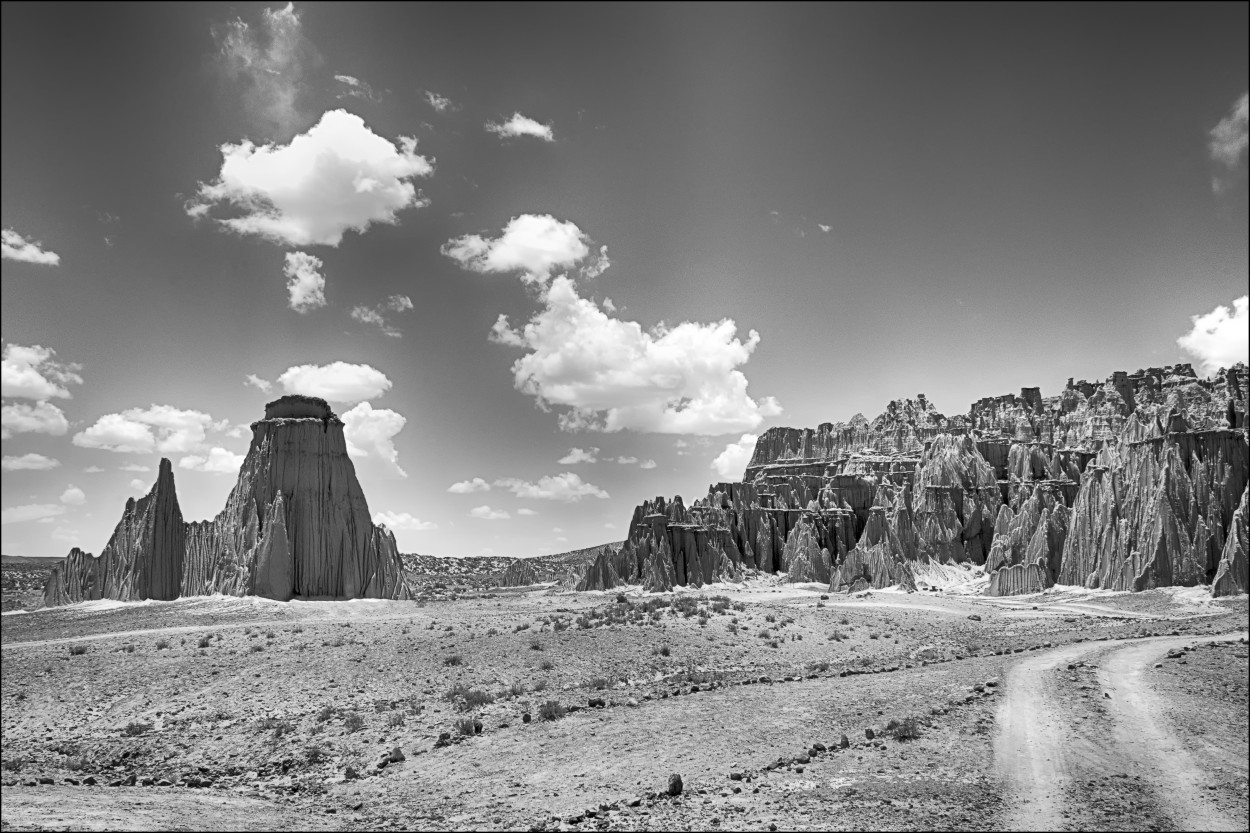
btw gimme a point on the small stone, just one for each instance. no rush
(974, 617)
(89, 781)
(526, 718)
(844, 742)
(868, 733)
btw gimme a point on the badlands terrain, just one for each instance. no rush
(779, 705)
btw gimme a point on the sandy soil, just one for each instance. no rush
(745, 691)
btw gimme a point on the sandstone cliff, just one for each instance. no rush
(296, 524)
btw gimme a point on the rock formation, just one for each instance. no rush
(520, 573)
(296, 524)
(1127, 484)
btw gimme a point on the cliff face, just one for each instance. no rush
(1127, 484)
(295, 524)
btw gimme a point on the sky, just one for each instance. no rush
(550, 260)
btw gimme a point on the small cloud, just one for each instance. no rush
(627, 461)
(30, 512)
(567, 487)
(355, 88)
(135, 467)
(73, 496)
(1229, 140)
(29, 462)
(557, 529)
(262, 385)
(487, 514)
(92, 470)
(64, 533)
(609, 525)
(377, 315)
(337, 381)
(304, 282)
(138, 486)
(647, 464)
(15, 247)
(1221, 337)
(526, 511)
(824, 228)
(520, 125)
(440, 103)
(217, 461)
(732, 462)
(35, 373)
(467, 487)
(531, 245)
(578, 455)
(403, 520)
(159, 428)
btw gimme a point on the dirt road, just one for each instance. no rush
(1040, 747)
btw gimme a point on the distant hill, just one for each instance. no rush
(488, 570)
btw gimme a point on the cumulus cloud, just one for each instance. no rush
(1228, 143)
(35, 373)
(304, 282)
(647, 464)
(73, 496)
(262, 385)
(519, 125)
(567, 487)
(160, 428)
(39, 418)
(531, 245)
(440, 103)
(487, 514)
(732, 462)
(627, 461)
(578, 455)
(28, 462)
(402, 520)
(267, 64)
(467, 487)
(370, 432)
(339, 176)
(138, 487)
(1221, 337)
(337, 381)
(377, 315)
(613, 375)
(15, 247)
(218, 461)
(30, 512)
(526, 511)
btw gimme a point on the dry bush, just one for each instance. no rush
(135, 729)
(77, 650)
(354, 722)
(551, 710)
(453, 660)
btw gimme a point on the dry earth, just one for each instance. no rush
(1067, 710)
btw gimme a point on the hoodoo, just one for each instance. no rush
(1134, 483)
(296, 524)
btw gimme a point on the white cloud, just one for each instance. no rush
(28, 462)
(268, 64)
(262, 385)
(732, 462)
(138, 487)
(218, 461)
(519, 125)
(613, 374)
(377, 315)
(34, 373)
(609, 525)
(487, 514)
(356, 88)
(339, 176)
(1229, 140)
(73, 496)
(160, 428)
(824, 228)
(647, 464)
(134, 467)
(567, 487)
(30, 512)
(578, 455)
(440, 103)
(466, 487)
(557, 529)
(526, 511)
(39, 418)
(93, 470)
(304, 282)
(371, 432)
(64, 533)
(627, 461)
(15, 247)
(402, 520)
(532, 245)
(1221, 338)
(337, 381)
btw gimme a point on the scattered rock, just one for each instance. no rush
(674, 784)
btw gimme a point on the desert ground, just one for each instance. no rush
(779, 706)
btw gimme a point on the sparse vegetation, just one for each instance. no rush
(203, 642)
(453, 660)
(135, 729)
(77, 650)
(906, 729)
(546, 665)
(551, 710)
(353, 722)
(395, 720)
(162, 644)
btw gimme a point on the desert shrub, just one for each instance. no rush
(844, 621)
(77, 650)
(466, 726)
(203, 642)
(269, 635)
(774, 643)
(353, 722)
(540, 685)
(546, 665)
(703, 620)
(127, 648)
(524, 626)
(516, 689)
(493, 632)
(453, 660)
(821, 665)
(298, 629)
(135, 728)
(77, 763)
(324, 714)
(13, 764)
(314, 753)
(906, 729)
(598, 683)
(770, 617)
(395, 720)
(664, 651)
(535, 645)
(276, 725)
(837, 635)
(476, 698)
(162, 644)
(560, 625)
(874, 636)
(551, 710)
